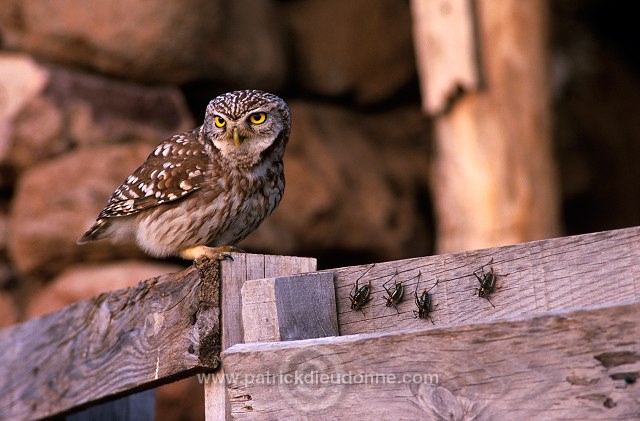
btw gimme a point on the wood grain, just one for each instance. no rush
(581, 364)
(119, 342)
(235, 273)
(543, 275)
(244, 267)
(289, 308)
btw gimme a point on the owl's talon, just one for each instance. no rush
(201, 261)
(224, 256)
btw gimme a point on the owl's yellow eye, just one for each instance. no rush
(258, 118)
(219, 122)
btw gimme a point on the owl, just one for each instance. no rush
(200, 192)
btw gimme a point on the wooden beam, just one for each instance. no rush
(446, 56)
(494, 176)
(235, 273)
(289, 308)
(117, 343)
(577, 271)
(582, 364)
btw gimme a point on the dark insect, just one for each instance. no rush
(487, 281)
(360, 295)
(395, 294)
(423, 302)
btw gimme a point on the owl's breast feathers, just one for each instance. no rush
(177, 167)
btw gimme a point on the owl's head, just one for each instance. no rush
(244, 126)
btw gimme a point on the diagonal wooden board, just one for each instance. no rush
(553, 274)
(580, 364)
(117, 343)
(124, 341)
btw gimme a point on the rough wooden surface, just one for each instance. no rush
(163, 329)
(289, 308)
(235, 273)
(444, 33)
(543, 275)
(579, 365)
(494, 175)
(244, 267)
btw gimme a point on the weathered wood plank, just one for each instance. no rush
(545, 275)
(289, 308)
(235, 273)
(117, 343)
(244, 267)
(581, 364)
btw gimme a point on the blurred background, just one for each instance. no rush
(542, 141)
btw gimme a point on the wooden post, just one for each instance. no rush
(484, 74)
(289, 308)
(235, 273)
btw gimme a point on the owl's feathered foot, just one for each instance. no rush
(200, 254)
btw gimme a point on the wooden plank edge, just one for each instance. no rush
(543, 275)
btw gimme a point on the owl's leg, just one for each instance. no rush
(198, 253)
(203, 254)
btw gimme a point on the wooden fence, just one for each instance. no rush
(562, 342)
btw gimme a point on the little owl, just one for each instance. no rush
(202, 191)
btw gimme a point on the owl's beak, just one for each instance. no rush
(237, 139)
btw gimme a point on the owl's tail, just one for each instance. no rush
(96, 232)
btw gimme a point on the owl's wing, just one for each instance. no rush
(174, 169)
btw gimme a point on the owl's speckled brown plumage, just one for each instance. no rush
(211, 186)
